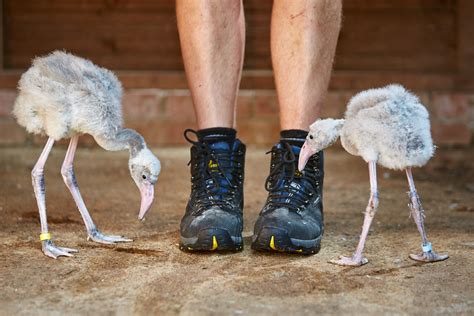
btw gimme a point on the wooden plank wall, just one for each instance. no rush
(419, 36)
(131, 34)
(466, 45)
(1, 35)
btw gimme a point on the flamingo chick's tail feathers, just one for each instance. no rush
(371, 97)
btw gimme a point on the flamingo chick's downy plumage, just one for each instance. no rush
(396, 124)
(64, 96)
(386, 126)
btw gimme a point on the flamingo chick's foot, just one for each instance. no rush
(97, 236)
(428, 254)
(350, 261)
(53, 251)
(428, 257)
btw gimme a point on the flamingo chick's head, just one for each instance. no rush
(144, 169)
(322, 134)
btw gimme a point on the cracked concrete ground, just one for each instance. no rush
(152, 276)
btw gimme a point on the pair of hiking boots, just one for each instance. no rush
(291, 219)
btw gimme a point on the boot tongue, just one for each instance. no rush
(216, 166)
(213, 164)
(222, 145)
(295, 148)
(224, 164)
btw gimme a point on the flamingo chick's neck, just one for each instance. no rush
(124, 139)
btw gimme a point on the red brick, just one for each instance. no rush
(451, 133)
(159, 132)
(471, 115)
(259, 131)
(365, 80)
(451, 119)
(11, 133)
(162, 115)
(453, 107)
(266, 104)
(424, 98)
(142, 103)
(7, 99)
(245, 104)
(336, 103)
(84, 141)
(179, 106)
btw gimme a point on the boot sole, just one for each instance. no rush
(212, 239)
(272, 239)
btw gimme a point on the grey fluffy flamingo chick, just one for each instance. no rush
(386, 126)
(64, 96)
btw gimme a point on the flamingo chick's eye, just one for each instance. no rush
(144, 177)
(311, 136)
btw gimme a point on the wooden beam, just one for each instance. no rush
(1, 36)
(465, 54)
(263, 80)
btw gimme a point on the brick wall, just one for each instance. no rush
(161, 115)
(425, 45)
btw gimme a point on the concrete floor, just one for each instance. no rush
(151, 275)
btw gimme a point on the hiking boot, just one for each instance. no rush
(292, 217)
(213, 219)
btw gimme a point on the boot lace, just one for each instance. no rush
(215, 176)
(288, 187)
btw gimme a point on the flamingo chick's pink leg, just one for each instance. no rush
(357, 259)
(67, 171)
(418, 215)
(37, 176)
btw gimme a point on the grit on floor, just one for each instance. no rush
(151, 275)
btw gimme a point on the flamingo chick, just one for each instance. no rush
(64, 96)
(386, 126)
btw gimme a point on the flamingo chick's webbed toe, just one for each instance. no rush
(350, 261)
(418, 214)
(53, 251)
(97, 236)
(428, 255)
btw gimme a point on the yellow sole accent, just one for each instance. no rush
(214, 243)
(272, 243)
(272, 246)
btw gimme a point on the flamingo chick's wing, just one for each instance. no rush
(388, 125)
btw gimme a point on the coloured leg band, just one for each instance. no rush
(426, 247)
(45, 236)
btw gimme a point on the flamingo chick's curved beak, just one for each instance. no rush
(305, 153)
(147, 193)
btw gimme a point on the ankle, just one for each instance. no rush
(295, 137)
(216, 134)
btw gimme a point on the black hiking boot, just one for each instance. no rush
(213, 219)
(292, 218)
